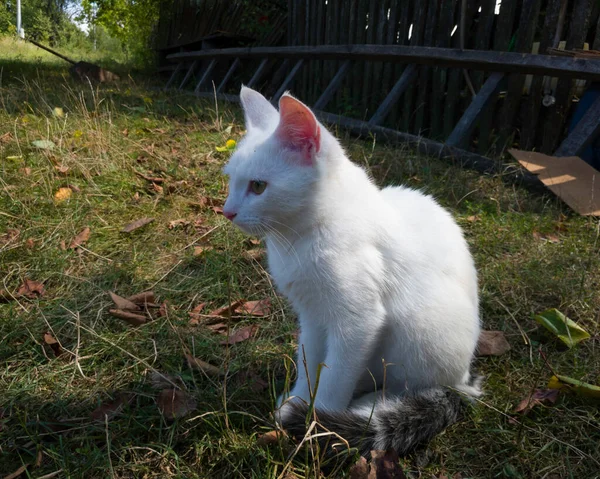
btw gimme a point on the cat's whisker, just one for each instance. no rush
(282, 240)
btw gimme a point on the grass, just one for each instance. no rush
(109, 136)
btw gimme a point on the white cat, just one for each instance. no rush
(375, 276)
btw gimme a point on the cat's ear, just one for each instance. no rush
(298, 128)
(259, 113)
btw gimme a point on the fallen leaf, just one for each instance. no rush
(134, 225)
(270, 438)
(241, 334)
(131, 318)
(160, 380)
(549, 237)
(75, 188)
(122, 303)
(12, 234)
(81, 238)
(162, 310)
(58, 112)
(217, 209)
(18, 472)
(30, 243)
(254, 254)
(53, 343)
(568, 331)
(492, 343)
(254, 241)
(44, 144)
(136, 197)
(255, 308)
(540, 396)
(200, 250)
(220, 328)
(359, 470)
(195, 313)
(578, 387)
(228, 310)
(31, 289)
(153, 179)
(199, 222)
(473, 218)
(112, 408)
(175, 403)
(62, 169)
(6, 137)
(252, 380)
(157, 188)
(125, 132)
(63, 194)
(63, 246)
(142, 298)
(202, 366)
(177, 223)
(26, 171)
(385, 465)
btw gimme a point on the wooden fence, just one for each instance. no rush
(530, 111)
(434, 103)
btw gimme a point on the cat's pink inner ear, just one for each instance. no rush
(298, 128)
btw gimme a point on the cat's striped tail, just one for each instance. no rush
(401, 423)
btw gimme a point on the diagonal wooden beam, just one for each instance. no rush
(205, 75)
(462, 131)
(584, 133)
(188, 75)
(333, 86)
(174, 75)
(260, 71)
(232, 69)
(288, 80)
(408, 76)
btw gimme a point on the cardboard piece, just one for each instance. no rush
(569, 177)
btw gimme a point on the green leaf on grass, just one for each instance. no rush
(43, 144)
(568, 331)
(578, 387)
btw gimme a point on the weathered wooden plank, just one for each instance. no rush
(527, 25)
(174, 75)
(288, 81)
(390, 39)
(509, 62)
(555, 119)
(333, 85)
(483, 35)
(461, 133)
(533, 103)
(205, 75)
(584, 133)
(367, 76)
(260, 71)
(234, 66)
(188, 75)
(408, 76)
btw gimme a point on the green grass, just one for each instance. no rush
(107, 136)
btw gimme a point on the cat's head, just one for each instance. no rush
(276, 167)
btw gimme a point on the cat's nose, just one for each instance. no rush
(229, 215)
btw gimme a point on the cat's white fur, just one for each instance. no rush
(374, 275)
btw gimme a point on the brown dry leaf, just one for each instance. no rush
(217, 209)
(159, 189)
(492, 343)
(254, 254)
(136, 197)
(271, 437)
(162, 310)
(111, 408)
(122, 303)
(30, 243)
(252, 380)
(81, 238)
(241, 334)
(385, 465)
(11, 234)
(18, 472)
(31, 289)
(131, 318)
(6, 137)
(202, 366)
(63, 246)
(142, 298)
(549, 237)
(125, 132)
(177, 223)
(26, 171)
(220, 328)
(134, 225)
(62, 169)
(200, 250)
(196, 313)
(359, 470)
(175, 403)
(540, 396)
(254, 241)
(473, 218)
(199, 222)
(255, 308)
(160, 380)
(53, 343)
(228, 310)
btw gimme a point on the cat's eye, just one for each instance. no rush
(257, 187)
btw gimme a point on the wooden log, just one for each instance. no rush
(461, 133)
(406, 79)
(584, 133)
(333, 85)
(509, 62)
